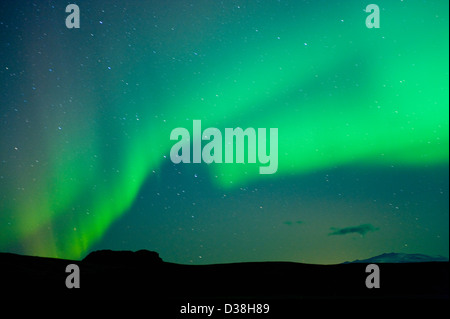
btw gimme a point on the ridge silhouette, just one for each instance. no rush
(108, 274)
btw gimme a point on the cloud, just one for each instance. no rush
(288, 222)
(361, 229)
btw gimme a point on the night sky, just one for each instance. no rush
(362, 117)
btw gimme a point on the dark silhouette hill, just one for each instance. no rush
(143, 275)
(123, 258)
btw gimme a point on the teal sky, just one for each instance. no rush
(362, 118)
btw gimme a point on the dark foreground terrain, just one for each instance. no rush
(143, 275)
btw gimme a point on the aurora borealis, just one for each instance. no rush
(362, 119)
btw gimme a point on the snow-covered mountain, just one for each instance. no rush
(400, 258)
